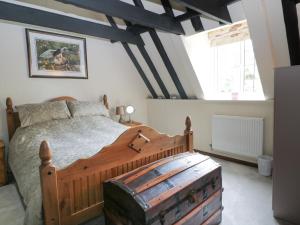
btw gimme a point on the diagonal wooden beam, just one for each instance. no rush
(167, 7)
(136, 15)
(140, 70)
(134, 61)
(168, 64)
(197, 24)
(292, 30)
(210, 8)
(163, 54)
(154, 71)
(27, 15)
(187, 15)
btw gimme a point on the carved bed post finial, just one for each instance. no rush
(45, 154)
(9, 105)
(189, 134)
(105, 101)
(49, 187)
(11, 125)
(188, 124)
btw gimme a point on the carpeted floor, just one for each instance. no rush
(247, 199)
(11, 208)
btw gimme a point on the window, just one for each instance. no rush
(225, 64)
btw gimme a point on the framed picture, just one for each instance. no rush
(53, 55)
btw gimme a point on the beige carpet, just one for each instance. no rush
(11, 208)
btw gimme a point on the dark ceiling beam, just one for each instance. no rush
(140, 70)
(197, 24)
(168, 64)
(136, 15)
(167, 7)
(163, 54)
(27, 15)
(292, 30)
(186, 16)
(149, 62)
(210, 8)
(154, 71)
(134, 61)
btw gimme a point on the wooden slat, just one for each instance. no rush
(98, 186)
(168, 175)
(77, 195)
(85, 193)
(92, 189)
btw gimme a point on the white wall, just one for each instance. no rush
(168, 116)
(111, 72)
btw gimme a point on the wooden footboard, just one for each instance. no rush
(74, 194)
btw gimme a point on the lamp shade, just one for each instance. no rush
(120, 110)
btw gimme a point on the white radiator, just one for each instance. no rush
(238, 135)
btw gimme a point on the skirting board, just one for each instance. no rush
(230, 159)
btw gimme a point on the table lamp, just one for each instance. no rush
(130, 110)
(120, 112)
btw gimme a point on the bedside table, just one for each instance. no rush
(2, 164)
(131, 124)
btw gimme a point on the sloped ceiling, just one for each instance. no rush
(267, 29)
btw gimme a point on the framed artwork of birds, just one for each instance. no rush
(53, 55)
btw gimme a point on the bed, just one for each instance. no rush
(68, 190)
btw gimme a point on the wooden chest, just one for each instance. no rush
(184, 190)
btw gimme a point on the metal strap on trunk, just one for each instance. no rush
(168, 175)
(151, 167)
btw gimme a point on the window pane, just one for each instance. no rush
(226, 70)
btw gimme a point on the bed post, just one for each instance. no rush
(10, 118)
(189, 134)
(105, 101)
(49, 186)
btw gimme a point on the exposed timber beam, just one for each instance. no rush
(186, 16)
(37, 17)
(167, 7)
(163, 54)
(292, 30)
(154, 71)
(210, 8)
(136, 15)
(197, 24)
(140, 70)
(168, 64)
(151, 66)
(134, 61)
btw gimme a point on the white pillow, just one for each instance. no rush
(31, 114)
(80, 108)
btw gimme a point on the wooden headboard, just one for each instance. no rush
(13, 120)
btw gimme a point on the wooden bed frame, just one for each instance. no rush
(74, 194)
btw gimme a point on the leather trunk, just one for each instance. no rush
(182, 189)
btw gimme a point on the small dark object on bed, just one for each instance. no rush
(183, 190)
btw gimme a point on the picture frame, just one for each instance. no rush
(52, 55)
